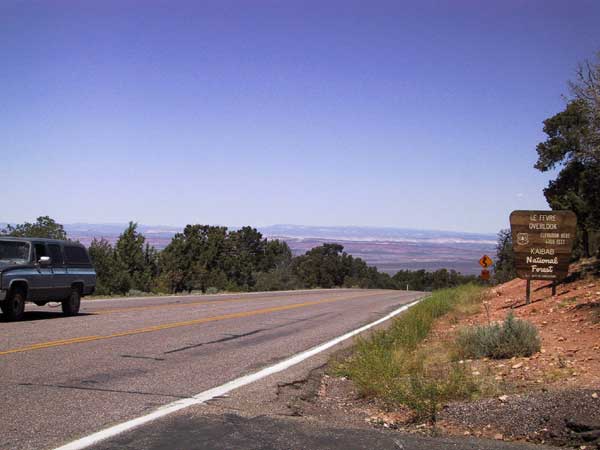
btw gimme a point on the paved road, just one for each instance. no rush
(63, 378)
(230, 431)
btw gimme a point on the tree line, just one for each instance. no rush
(573, 146)
(423, 280)
(213, 258)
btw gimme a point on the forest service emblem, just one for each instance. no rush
(522, 238)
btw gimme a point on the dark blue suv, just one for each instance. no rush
(42, 271)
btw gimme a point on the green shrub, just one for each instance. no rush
(426, 387)
(212, 290)
(514, 337)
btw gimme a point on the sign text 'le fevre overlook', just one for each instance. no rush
(542, 243)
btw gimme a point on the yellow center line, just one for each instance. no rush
(186, 323)
(178, 305)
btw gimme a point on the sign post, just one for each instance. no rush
(542, 245)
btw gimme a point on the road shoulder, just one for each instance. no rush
(280, 412)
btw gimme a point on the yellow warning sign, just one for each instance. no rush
(485, 261)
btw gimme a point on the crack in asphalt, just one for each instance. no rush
(117, 391)
(238, 336)
(142, 357)
(225, 339)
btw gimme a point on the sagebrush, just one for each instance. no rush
(514, 337)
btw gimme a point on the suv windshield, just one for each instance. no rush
(14, 252)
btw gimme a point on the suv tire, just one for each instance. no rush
(70, 306)
(14, 305)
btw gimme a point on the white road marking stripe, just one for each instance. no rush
(219, 391)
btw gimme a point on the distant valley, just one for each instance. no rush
(389, 249)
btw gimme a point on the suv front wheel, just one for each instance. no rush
(70, 305)
(14, 305)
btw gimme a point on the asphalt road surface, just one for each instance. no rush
(63, 378)
(231, 431)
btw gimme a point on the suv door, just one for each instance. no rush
(40, 286)
(79, 267)
(60, 279)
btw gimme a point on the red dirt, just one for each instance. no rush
(569, 327)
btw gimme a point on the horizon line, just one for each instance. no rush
(181, 227)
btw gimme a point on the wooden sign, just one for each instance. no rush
(542, 243)
(485, 261)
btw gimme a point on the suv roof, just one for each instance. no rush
(45, 240)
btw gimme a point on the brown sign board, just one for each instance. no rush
(542, 243)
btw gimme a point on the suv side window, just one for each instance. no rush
(56, 254)
(76, 255)
(40, 250)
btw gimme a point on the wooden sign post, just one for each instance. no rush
(542, 245)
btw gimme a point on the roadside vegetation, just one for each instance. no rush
(395, 366)
(212, 259)
(404, 366)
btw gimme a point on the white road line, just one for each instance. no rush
(223, 389)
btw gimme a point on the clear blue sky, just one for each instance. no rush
(410, 114)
